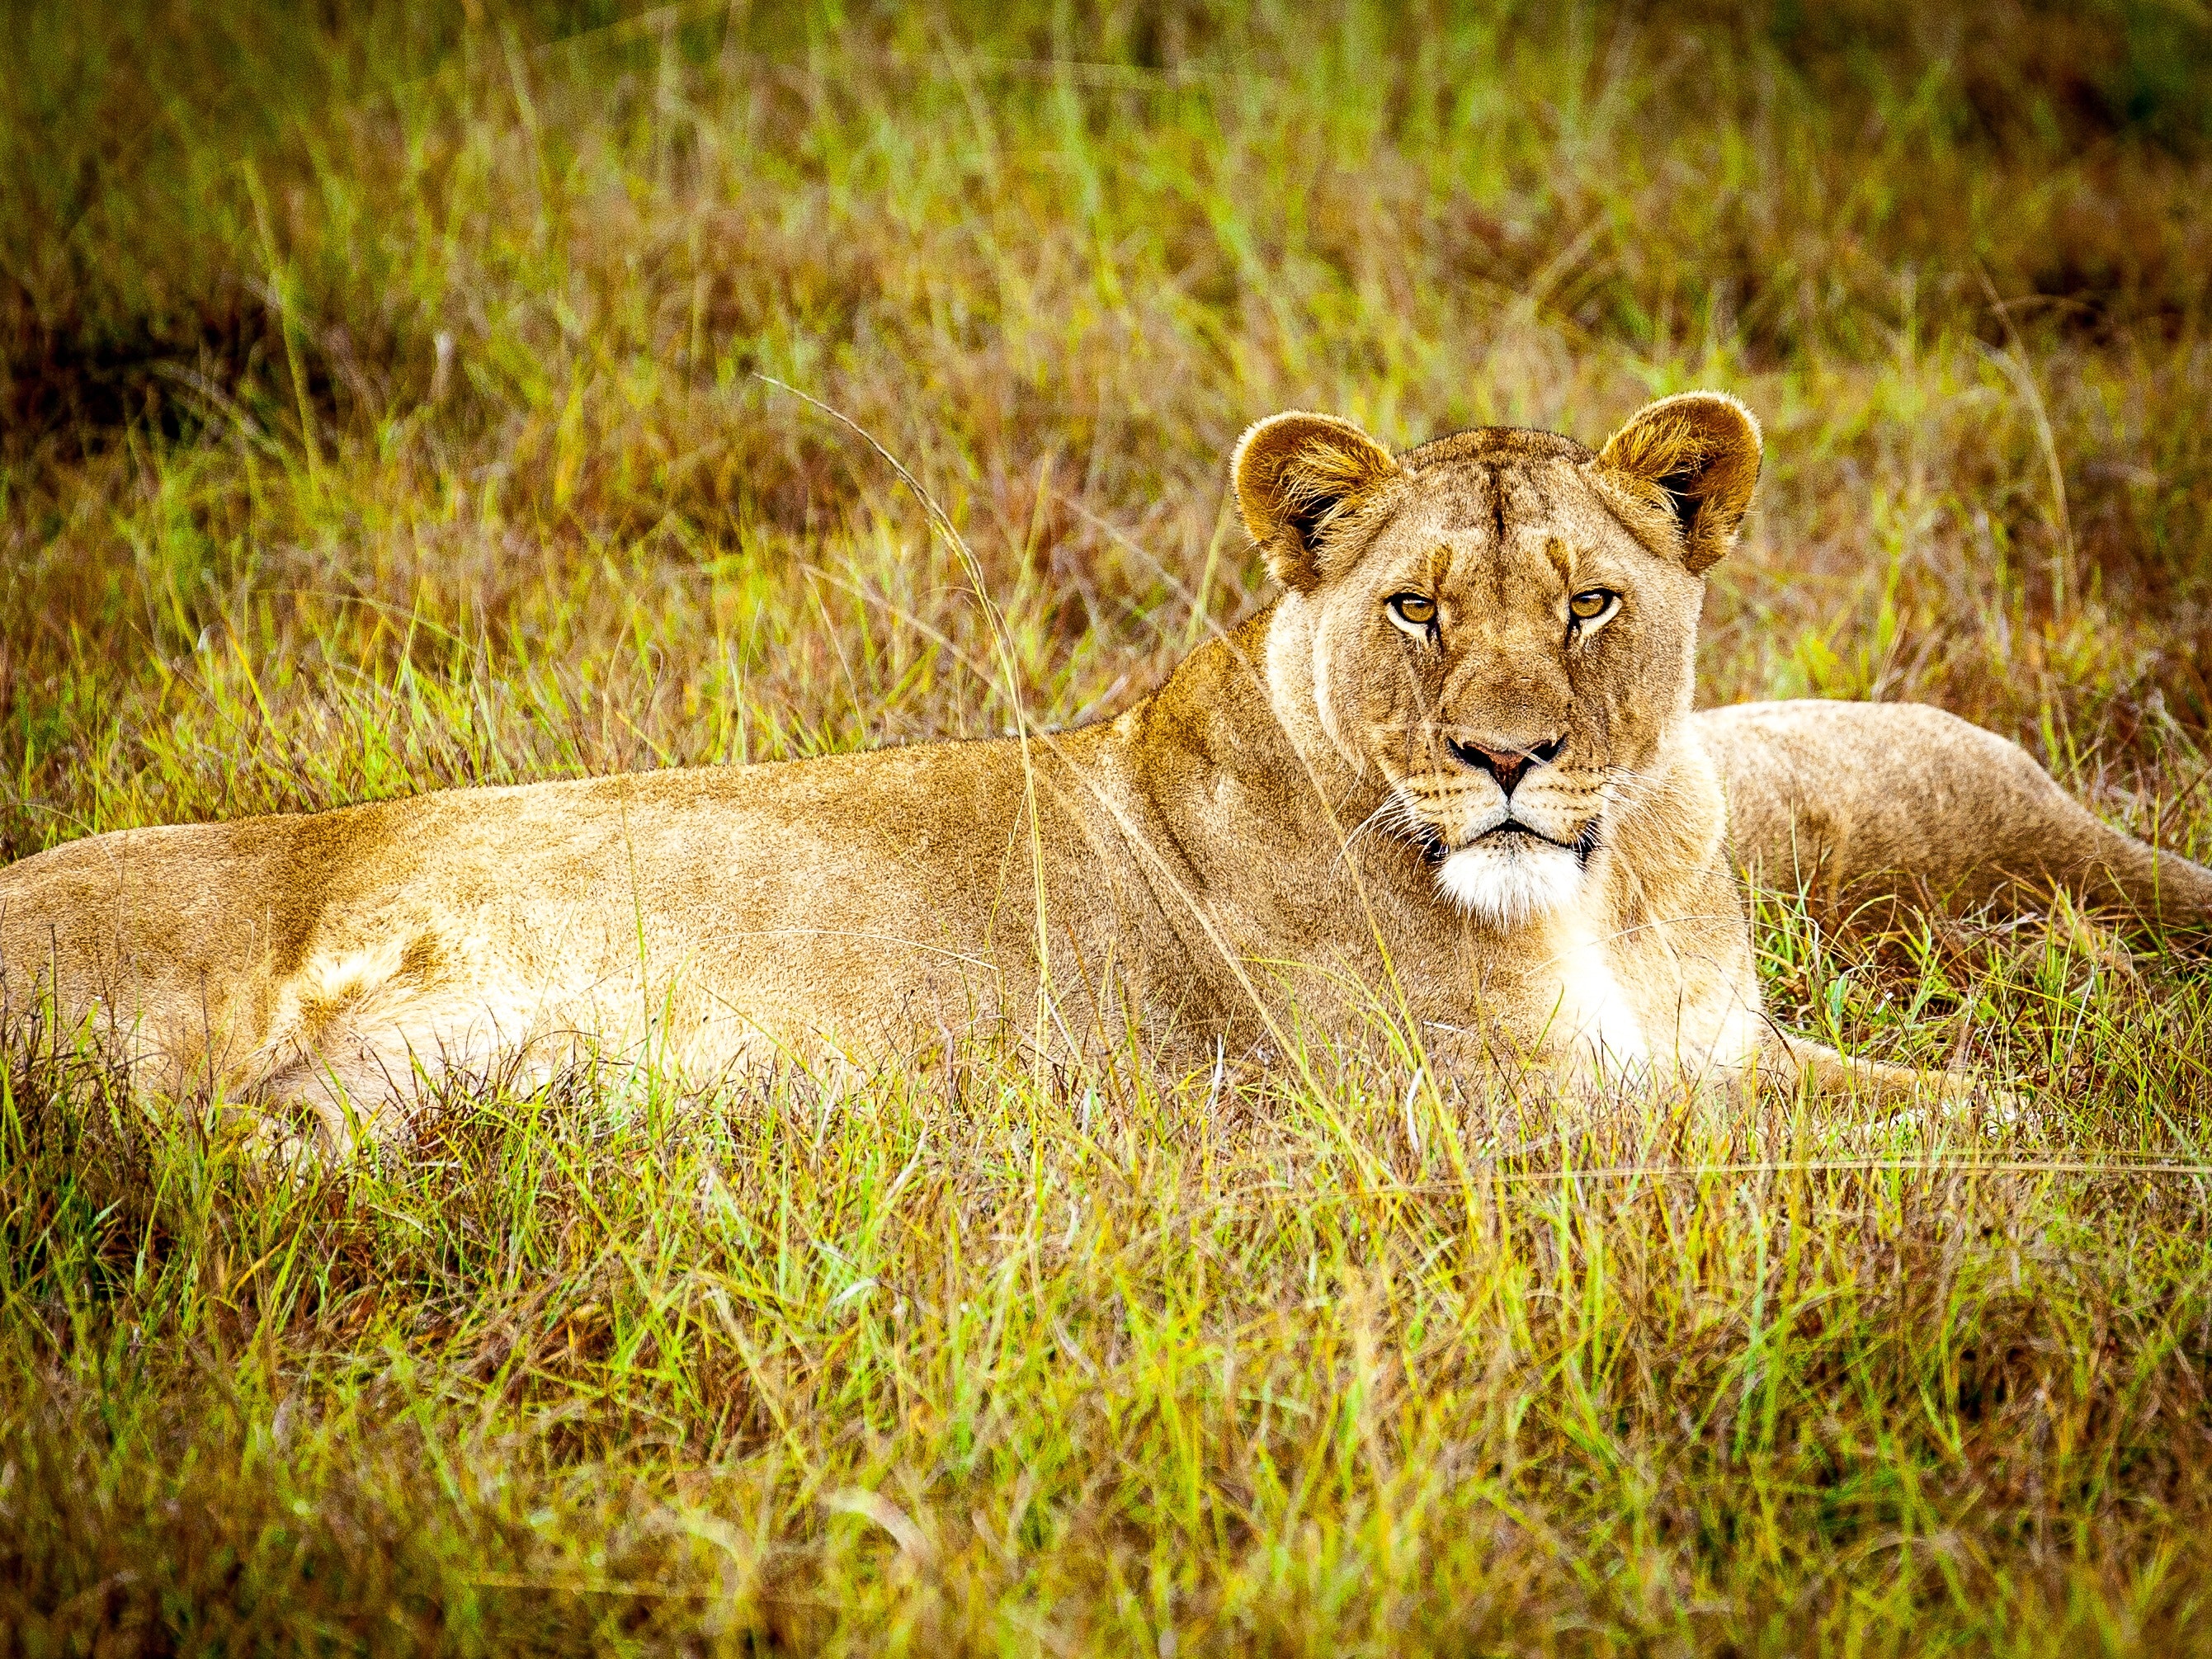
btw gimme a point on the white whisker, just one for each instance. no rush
(1374, 820)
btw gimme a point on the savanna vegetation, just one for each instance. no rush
(389, 401)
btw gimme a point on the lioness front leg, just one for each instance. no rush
(1854, 798)
(1926, 1094)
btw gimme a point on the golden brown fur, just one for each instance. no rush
(1312, 812)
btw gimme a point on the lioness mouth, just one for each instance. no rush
(1437, 849)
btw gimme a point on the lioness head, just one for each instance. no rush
(1501, 621)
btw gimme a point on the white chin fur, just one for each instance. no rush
(1512, 881)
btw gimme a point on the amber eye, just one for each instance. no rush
(1414, 609)
(1592, 603)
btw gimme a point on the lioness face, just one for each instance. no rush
(1507, 655)
(1503, 624)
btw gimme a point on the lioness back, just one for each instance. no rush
(713, 919)
(716, 909)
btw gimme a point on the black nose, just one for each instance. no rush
(1506, 765)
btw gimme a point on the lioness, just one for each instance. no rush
(1451, 773)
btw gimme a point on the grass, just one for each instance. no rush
(384, 413)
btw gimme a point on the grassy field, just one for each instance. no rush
(384, 411)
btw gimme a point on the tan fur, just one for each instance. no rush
(1292, 822)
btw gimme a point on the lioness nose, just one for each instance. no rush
(1506, 765)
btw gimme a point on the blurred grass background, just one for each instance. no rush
(380, 410)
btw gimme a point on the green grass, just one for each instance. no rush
(383, 413)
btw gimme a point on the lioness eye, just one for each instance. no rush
(1591, 603)
(1413, 608)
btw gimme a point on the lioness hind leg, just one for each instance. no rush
(345, 1098)
(1910, 799)
(2053, 844)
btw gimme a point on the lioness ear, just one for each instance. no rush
(1695, 456)
(1298, 477)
